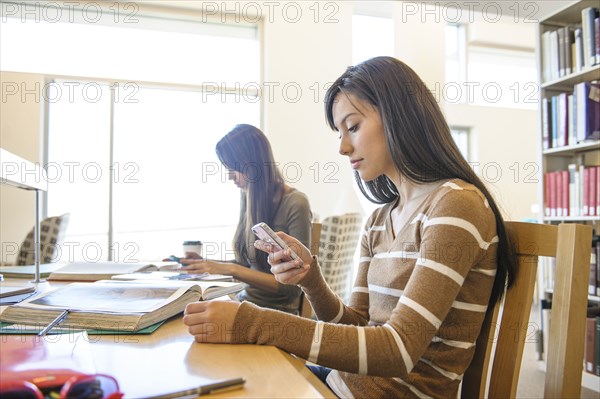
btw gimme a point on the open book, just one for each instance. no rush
(28, 271)
(115, 305)
(86, 271)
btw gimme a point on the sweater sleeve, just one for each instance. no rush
(459, 221)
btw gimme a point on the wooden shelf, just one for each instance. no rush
(585, 75)
(571, 150)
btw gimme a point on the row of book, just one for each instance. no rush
(571, 118)
(570, 49)
(548, 269)
(572, 192)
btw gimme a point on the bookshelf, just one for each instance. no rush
(569, 70)
(20, 173)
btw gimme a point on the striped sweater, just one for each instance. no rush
(416, 308)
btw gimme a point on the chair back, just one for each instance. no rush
(339, 238)
(52, 233)
(502, 337)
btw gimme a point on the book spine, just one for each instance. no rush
(597, 36)
(597, 248)
(546, 141)
(552, 194)
(597, 346)
(571, 132)
(593, 272)
(578, 49)
(563, 125)
(590, 345)
(592, 201)
(564, 175)
(580, 105)
(588, 15)
(586, 191)
(573, 211)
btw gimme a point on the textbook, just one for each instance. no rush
(114, 305)
(173, 276)
(88, 271)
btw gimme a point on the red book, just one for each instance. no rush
(553, 179)
(593, 200)
(547, 194)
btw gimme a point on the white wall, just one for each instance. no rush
(20, 133)
(307, 55)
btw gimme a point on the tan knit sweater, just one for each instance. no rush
(416, 308)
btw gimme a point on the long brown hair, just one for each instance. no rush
(418, 139)
(247, 150)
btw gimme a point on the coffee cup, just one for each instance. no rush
(191, 247)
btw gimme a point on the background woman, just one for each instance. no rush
(246, 153)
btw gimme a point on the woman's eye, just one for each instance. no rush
(353, 128)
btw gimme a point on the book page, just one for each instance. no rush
(110, 296)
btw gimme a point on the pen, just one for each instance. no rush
(61, 317)
(205, 389)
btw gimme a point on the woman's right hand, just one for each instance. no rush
(285, 269)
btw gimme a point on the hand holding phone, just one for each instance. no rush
(265, 233)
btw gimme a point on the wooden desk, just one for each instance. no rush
(170, 360)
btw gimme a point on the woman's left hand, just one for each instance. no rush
(205, 266)
(212, 321)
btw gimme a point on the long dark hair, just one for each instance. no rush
(246, 149)
(418, 139)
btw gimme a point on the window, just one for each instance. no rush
(488, 76)
(371, 37)
(461, 138)
(134, 112)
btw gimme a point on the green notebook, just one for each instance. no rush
(22, 329)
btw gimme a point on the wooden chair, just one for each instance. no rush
(570, 244)
(305, 310)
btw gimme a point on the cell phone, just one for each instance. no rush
(265, 233)
(174, 259)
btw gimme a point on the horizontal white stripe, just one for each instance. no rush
(421, 217)
(413, 389)
(377, 228)
(451, 185)
(397, 254)
(364, 290)
(362, 352)
(456, 344)
(445, 373)
(463, 224)
(364, 259)
(442, 269)
(338, 317)
(315, 347)
(469, 306)
(417, 307)
(385, 290)
(401, 347)
(485, 271)
(454, 186)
